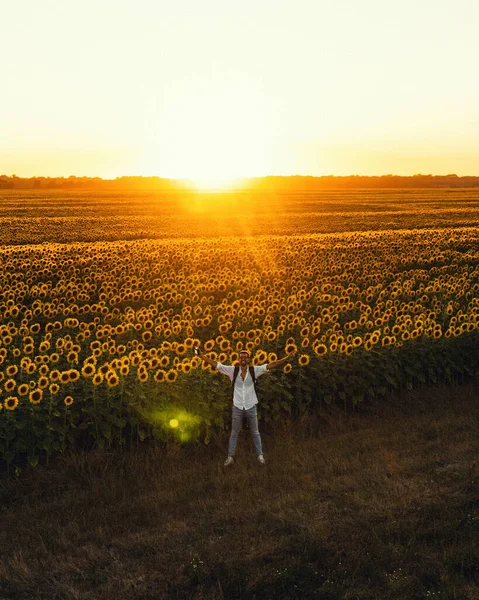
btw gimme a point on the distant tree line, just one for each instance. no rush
(297, 182)
(285, 183)
(96, 183)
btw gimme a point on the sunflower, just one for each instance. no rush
(98, 378)
(320, 349)
(88, 370)
(261, 357)
(112, 379)
(142, 375)
(160, 376)
(287, 368)
(124, 370)
(10, 385)
(23, 389)
(43, 382)
(146, 337)
(181, 349)
(64, 377)
(36, 396)
(290, 347)
(54, 388)
(172, 375)
(11, 403)
(209, 345)
(164, 360)
(68, 400)
(303, 360)
(44, 346)
(12, 370)
(304, 331)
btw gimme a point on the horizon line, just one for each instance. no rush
(239, 178)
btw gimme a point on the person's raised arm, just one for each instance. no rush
(279, 363)
(198, 352)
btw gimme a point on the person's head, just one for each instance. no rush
(244, 357)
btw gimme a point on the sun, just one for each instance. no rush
(213, 134)
(216, 184)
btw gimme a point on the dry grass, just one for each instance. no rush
(377, 505)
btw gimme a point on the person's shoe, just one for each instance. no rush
(229, 461)
(261, 459)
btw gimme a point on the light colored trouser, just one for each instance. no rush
(237, 421)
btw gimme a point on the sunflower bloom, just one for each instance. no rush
(64, 377)
(10, 385)
(73, 374)
(43, 382)
(54, 388)
(171, 375)
(112, 379)
(68, 400)
(88, 370)
(11, 403)
(303, 360)
(98, 378)
(320, 349)
(180, 349)
(36, 396)
(23, 389)
(209, 345)
(142, 375)
(160, 376)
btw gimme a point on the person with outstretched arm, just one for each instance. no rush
(243, 378)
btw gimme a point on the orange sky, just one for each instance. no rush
(213, 90)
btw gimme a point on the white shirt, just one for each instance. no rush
(244, 395)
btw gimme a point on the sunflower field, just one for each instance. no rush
(96, 337)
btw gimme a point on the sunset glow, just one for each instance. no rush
(213, 92)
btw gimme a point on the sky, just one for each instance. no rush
(214, 90)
